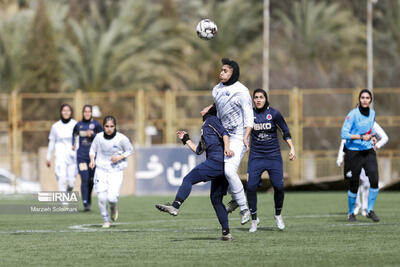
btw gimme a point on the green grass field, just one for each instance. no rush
(317, 234)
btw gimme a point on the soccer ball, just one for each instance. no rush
(206, 29)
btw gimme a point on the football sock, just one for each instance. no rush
(252, 199)
(102, 199)
(351, 200)
(279, 196)
(254, 215)
(373, 193)
(278, 211)
(365, 193)
(225, 231)
(177, 203)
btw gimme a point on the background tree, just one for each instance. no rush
(41, 60)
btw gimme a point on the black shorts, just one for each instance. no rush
(354, 161)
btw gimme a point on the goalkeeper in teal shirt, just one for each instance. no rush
(360, 153)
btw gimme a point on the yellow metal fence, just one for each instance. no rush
(315, 117)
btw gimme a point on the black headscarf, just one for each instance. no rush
(266, 105)
(211, 112)
(364, 111)
(235, 73)
(62, 119)
(110, 118)
(83, 110)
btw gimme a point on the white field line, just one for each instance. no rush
(97, 227)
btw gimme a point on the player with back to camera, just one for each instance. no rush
(110, 149)
(85, 130)
(265, 155)
(379, 139)
(360, 153)
(215, 141)
(60, 139)
(234, 107)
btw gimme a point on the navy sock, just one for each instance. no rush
(278, 212)
(225, 231)
(279, 195)
(252, 200)
(254, 215)
(177, 203)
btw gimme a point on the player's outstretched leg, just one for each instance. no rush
(193, 177)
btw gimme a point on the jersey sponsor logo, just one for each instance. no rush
(262, 126)
(227, 93)
(348, 118)
(91, 126)
(269, 117)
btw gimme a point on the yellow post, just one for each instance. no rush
(140, 117)
(78, 104)
(170, 117)
(296, 113)
(15, 135)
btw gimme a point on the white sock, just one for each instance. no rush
(102, 199)
(358, 200)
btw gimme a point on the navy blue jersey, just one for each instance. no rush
(211, 141)
(264, 137)
(81, 130)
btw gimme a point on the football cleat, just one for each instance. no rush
(245, 216)
(168, 208)
(351, 218)
(279, 222)
(373, 216)
(114, 214)
(232, 205)
(253, 227)
(227, 237)
(106, 225)
(86, 208)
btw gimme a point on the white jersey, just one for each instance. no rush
(103, 149)
(234, 107)
(380, 133)
(60, 140)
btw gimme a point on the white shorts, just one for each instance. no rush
(108, 182)
(237, 146)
